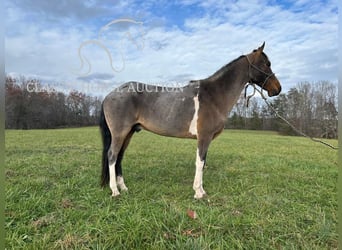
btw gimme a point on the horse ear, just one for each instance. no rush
(261, 48)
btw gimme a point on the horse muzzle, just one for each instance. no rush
(274, 92)
(273, 87)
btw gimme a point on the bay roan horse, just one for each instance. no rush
(198, 110)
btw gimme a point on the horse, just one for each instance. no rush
(197, 111)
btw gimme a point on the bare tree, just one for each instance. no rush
(29, 106)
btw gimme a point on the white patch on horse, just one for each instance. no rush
(112, 180)
(121, 183)
(198, 184)
(193, 123)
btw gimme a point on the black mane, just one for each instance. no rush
(223, 70)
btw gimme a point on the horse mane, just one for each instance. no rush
(219, 73)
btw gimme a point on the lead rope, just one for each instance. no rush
(279, 116)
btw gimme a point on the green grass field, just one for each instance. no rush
(265, 191)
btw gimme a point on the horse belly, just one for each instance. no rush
(168, 118)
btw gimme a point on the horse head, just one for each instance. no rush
(260, 72)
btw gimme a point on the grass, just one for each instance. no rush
(265, 191)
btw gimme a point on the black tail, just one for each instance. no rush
(106, 140)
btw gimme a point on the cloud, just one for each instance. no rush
(63, 10)
(43, 39)
(96, 77)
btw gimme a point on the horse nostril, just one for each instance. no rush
(275, 92)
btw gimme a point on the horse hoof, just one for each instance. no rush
(200, 196)
(115, 193)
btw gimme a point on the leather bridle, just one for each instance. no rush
(258, 69)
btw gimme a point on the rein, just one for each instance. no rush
(255, 89)
(279, 116)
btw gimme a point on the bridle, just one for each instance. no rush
(250, 81)
(258, 69)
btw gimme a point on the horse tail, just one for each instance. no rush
(106, 140)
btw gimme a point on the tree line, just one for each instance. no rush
(310, 107)
(30, 105)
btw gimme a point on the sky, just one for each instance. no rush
(94, 46)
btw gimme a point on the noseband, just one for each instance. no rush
(260, 70)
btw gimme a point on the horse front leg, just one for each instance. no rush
(200, 163)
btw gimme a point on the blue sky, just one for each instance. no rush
(166, 42)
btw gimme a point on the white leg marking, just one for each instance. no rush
(112, 180)
(198, 185)
(193, 123)
(121, 183)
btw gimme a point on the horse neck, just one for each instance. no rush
(225, 86)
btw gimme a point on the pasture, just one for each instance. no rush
(265, 191)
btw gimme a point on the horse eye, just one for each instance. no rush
(268, 64)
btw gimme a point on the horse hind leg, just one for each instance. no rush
(118, 168)
(113, 157)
